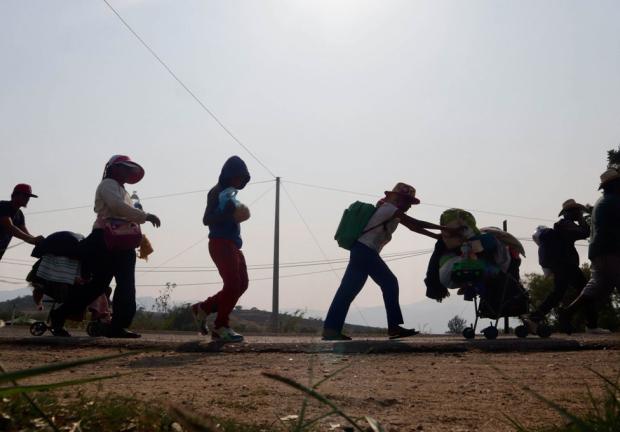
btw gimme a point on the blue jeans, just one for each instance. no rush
(364, 262)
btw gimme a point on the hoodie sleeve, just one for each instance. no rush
(212, 215)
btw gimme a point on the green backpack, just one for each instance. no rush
(352, 224)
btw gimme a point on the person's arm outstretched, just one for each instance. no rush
(422, 227)
(19, 232)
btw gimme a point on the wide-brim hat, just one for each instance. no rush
(405, 191)
(135, 174)
(571, 204)
(609, 176)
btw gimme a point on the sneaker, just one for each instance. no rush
(226, 335)
(597, 331)
(57, 325)
(334, 335)
(121, 333)
(60, 332)
(200, 318)
(401, 332)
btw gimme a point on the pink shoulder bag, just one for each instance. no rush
(120, 235)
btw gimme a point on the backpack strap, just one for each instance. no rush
(384, 223)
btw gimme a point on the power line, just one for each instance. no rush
(291, 263)
(172, 194)
(269, 266)
(13, 246)
(532, 240)
(187, 89)
(318, 245)
(399, 257)
(261, 196)
(286, 276)
(494, 213)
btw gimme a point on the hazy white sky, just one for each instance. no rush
(499, 106)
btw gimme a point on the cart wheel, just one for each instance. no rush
(490, 332)
(93, 329)
(544, 331)
(469, 333)
(521, 331)
(38, 328)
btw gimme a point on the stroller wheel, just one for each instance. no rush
(521, 331)
(38, 328)
(469, 333)
(544, 331)
(94, 329)
(490, 332)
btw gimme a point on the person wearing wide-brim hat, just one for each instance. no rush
(12, 220)
(562, 258)
(604, 253)
(112, 203)
(365, 261)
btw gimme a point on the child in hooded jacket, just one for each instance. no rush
(224, 215)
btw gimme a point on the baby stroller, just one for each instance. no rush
(483, 265)
(57, 274)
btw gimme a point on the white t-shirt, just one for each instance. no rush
(378, 237)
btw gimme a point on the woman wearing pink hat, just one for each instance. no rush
(110, 249)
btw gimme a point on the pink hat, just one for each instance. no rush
(406, 191)
(137, 172)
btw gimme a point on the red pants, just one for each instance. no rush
(230, 263)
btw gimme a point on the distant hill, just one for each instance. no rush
(426, 315)
(179, 318)
(8, 295)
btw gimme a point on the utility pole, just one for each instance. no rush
(275, 308)
(506, 324)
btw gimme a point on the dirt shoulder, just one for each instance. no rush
(404, 391)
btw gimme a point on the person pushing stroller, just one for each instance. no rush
(365, 260)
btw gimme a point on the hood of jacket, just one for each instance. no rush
(234, 167)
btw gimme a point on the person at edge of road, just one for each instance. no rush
(365, 261)
(604, 253)
(565, 262)
(224, 215)
(112, 201)
(12, 220)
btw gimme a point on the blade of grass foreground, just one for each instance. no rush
(190, 422)
(33, 404)
(330, 376)
(374, 424)
(614, 385)
(9, 391)
(315, 395)
(317, 419)
(42, 370)
(299, 425)
(518, 426)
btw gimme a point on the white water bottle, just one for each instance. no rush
(135, 200)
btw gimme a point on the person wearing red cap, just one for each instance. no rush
(12, 221)
(112, 203)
